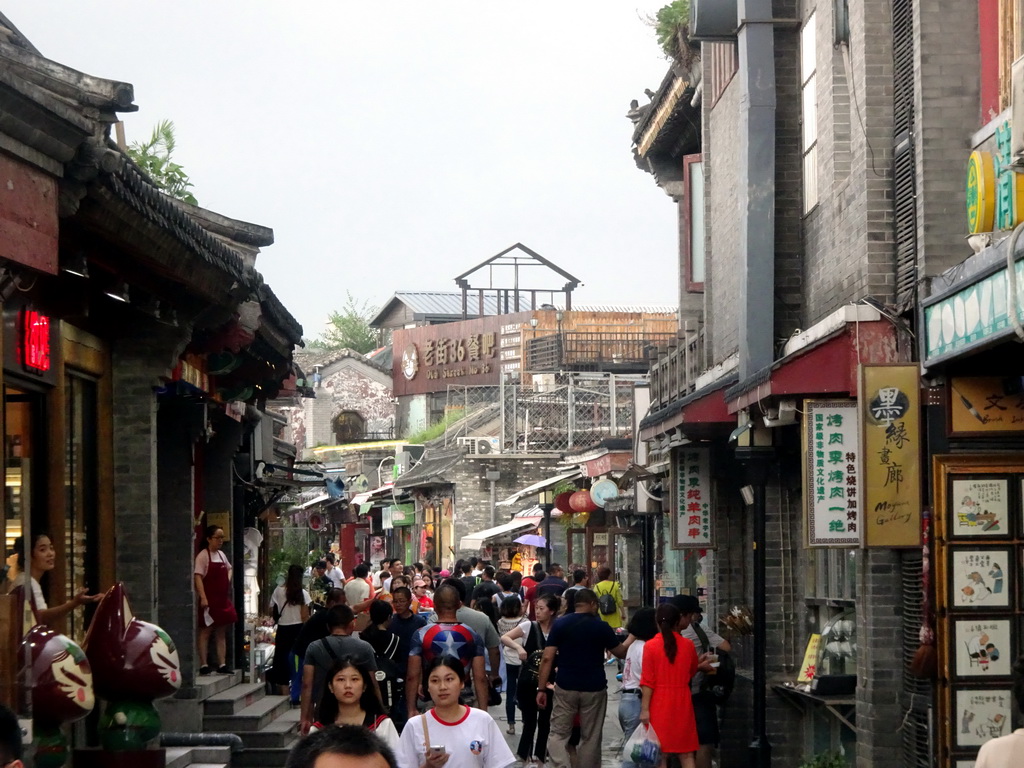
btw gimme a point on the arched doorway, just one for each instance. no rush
(349, 427)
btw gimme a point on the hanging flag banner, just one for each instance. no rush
(692, 519)
(891, 424)
(832, 472)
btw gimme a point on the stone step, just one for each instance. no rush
(234, 699)
(262, 758)
(254, 717)
(196, 757)
(210, 685)
(177, 757)
(282, 732)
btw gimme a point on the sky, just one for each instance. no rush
(394, 145)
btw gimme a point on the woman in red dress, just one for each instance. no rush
(670, 661)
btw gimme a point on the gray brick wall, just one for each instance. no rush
(947, 97)
(473, 494)
(138, 363)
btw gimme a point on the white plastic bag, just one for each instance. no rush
(634, 744)
(643, 748)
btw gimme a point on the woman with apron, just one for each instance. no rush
(212, 576)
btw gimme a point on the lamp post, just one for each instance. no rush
(546, 500)
(754, 450)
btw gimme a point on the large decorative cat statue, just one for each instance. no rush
(62, 690)
(134, 662)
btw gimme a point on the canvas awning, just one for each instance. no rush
(366, 499)
(312, 502)
(543, 485)
(506, 530)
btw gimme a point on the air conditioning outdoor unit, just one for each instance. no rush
(481, 446)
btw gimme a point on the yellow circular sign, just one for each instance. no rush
(981, 192)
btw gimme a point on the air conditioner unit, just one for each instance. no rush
(481, 446)
(1017, 112)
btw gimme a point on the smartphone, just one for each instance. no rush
(437, 749)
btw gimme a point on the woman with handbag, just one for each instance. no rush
(451, 734)
(290, 608)
(511, 608)
(535, 634)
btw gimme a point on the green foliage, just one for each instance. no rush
(825, 760)
(436, 429)
(154, 158)
(668, 22)
(350, 328)
(295, 549)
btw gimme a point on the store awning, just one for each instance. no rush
(366, 499)
(536, 488)
(432, 469)
(507, 530)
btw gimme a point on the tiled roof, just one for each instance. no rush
(438, 304)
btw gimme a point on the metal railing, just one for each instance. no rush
(675, 368)
(583, 351)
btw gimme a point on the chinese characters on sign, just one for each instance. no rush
(444, 358)
(831, 469)
(693, 498)
(35, 341)
(981, 404)
(891, 458)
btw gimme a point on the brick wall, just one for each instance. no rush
(947, 96)
(473, 494)
(348, 385)
(137, 365)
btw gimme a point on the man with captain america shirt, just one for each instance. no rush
(446, 637)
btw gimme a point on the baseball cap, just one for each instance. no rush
(445, 573)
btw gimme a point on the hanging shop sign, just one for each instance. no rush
(691, 522)
(970, 317)
(402, 514)
(832, 472)
(980, 405)
(31, 343)
(981, 192)
(890, 419)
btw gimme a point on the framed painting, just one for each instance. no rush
(983, 647)
(980, 578)
(979, 508)
(980, 715)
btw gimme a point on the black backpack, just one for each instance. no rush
(719, 685)
(606, 603)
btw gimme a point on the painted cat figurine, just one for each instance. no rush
(130, 658)
(62, 689)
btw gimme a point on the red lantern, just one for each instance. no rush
(562, 502)
(582, 502)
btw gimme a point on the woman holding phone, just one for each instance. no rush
(451, 734)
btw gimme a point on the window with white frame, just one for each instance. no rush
(809, 112)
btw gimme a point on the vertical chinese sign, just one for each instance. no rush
(692, 520)
(890, 398)
(831, 472)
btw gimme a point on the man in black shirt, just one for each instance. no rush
(404, 624)
(468, 579)
(579, 581)
(554, 584)
(486, 589)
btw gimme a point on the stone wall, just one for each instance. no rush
(349, 384)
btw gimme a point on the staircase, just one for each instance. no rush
(198, 757)
(267, 725)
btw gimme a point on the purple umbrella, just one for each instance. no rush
(532, 540)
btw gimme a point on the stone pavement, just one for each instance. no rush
(612, 735)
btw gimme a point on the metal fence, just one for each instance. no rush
(549, 412)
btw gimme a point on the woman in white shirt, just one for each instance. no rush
(642, 627)
(350, 699)
(512, 617)
(42, 560)
(290, 606)
(451, 734)
(1006, 751)
(212, 577)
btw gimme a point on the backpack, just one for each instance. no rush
(719, 685)
(606, 603)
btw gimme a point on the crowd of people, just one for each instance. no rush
(416, 655)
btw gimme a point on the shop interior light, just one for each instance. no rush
(118, 291)
(77, 265)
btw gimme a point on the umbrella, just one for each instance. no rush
(532, 540)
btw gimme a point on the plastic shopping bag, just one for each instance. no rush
(634, 744)
(650, 750)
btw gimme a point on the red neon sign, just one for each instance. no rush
(35, 341)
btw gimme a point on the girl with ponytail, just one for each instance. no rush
(669, 662)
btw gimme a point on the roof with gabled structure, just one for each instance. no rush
(512, 294)
(427, 308)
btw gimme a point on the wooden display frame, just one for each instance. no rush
(945, 469)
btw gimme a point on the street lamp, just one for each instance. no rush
(546, 500)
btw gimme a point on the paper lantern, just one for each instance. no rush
(562, 502)
(582, 502)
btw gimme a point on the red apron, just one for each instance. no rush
(217, 585)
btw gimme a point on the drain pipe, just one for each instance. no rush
(757, 196)
(232, 740)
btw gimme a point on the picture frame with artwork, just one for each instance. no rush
(981, 578)
(979, 507)
(981, 714)
(983, 647)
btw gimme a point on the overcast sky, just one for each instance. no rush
(394, 145)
